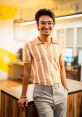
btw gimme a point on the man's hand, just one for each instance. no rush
(23, 102)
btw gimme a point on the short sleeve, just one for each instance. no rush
(26, 54)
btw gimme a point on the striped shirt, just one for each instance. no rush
(44, 59)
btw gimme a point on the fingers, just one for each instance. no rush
(22, 103)
(26, 103)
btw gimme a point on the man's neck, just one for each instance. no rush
(45, 39)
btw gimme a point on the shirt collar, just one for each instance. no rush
(38, 42)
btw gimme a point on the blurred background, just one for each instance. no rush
(17, 25)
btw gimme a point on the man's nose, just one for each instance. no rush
(46, 25)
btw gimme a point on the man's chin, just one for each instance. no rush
(47, 34)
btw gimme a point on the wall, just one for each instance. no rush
(8, 47)
(13, 36)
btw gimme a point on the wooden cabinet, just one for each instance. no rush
(9, 107)
(9, 99)
(74, 105)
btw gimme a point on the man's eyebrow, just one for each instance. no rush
(46, 21)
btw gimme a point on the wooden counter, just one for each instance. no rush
(9, 98)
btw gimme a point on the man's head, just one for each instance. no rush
(45, 20)
(44, 12)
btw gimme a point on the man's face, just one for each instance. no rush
(45, 25)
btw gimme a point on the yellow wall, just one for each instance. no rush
(7, 15)
(7, 12)
(6, 57)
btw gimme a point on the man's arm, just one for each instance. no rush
(63, 74)
(26, 75)
(23, 99)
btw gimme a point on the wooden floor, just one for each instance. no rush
(4, 84)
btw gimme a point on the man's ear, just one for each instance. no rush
(37, 26)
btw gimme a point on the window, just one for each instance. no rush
(69, 36)
(68, 55)
(80, 57)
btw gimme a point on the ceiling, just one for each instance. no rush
(27, 8)
(33, 2)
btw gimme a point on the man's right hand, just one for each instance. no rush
(22, 103)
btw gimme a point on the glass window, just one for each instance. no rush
(70, 36)
(79, 36)
(68, 55)
(80, 56)
(60, 35)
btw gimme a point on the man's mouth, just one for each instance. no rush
(46, 29)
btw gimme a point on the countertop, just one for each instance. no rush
(15, 92)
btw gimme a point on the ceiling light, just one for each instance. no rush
(27, 22)
(57, 19)
(69, 16)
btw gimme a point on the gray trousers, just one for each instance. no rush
(50, 101)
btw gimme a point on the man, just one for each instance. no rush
(43, 60)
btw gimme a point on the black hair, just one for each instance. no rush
(42, 12)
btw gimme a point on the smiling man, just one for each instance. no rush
(43, 61)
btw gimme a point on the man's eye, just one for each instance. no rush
(43, 23)
(50, 23)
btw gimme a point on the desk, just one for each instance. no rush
(9, 98)
(17, 68)
(74, 73)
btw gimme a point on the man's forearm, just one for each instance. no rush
(27, 69)
(25, 86)
(63, 74)
(63, 77)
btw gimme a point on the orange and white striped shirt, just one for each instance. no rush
(44, 59)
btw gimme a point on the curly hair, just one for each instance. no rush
(42, 12)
